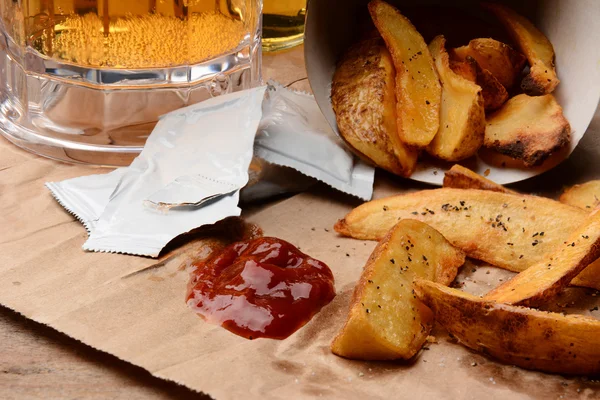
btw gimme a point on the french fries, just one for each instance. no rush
(535, 45)
(542, 281)
(585, 196)
(494, 94)
(459, 177)
(467, 68)
(418, 90)
(440, 104)
(462, 114)
(528, 128)
(521, 336)
(499, 59)
(493, 226)
(509, 231)
(364, 101)
(441, 97)
(385, 321)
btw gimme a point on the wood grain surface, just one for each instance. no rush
(37, 362)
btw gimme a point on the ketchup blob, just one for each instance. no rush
(262, 287)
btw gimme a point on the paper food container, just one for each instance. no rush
(572, 27)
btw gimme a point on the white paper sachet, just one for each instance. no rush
(294, 133)
(188, 175)
(212, 141)
(86, 197)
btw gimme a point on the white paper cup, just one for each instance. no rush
(572, 27)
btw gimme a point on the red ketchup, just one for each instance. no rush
(262, 287)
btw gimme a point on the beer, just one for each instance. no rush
(87, 80)
(283, 23)
(132, 33)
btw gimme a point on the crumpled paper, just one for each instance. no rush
(134, 308)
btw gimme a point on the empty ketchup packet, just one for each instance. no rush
(188, 175)
(294, 133)
(197, 160)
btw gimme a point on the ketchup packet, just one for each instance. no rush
(207, 142)
(294, 133)
(196, 161)
(86, 197)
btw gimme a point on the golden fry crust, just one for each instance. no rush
(494, 94)
(535, 45)
(363, 99)
(498, 58)
(495, 227)
(542, 281)
(418, 89)
(467, 68)
(585, 196)
(520, 336)
(385, 321)
(459, 177)
(528, 128)
(462, 114)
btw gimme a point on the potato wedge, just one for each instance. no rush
(418, 89)
(515, 335)
(494, 94)
(462, 114)
(545, 279)
(467, 68)
(585, 196)
(528, 128)
(459, 177)
(495, 227)
(535, 45)
(364, 101)
(385, 321)
(504, 63)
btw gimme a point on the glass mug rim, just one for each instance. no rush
(82, 113)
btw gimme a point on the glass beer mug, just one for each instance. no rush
(86, 80)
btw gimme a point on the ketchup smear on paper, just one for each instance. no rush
(262, 287)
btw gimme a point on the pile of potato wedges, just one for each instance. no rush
(397, 98)
(424, 238)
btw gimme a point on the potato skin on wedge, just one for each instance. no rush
(585, 196)
(364, 101)
(459, 177)
(509, 231)
(498, 58)
(535, 45)
(528, 128)
(462, 113)
(385, 321)
(515, 335)
(580, 196)
(542, 281)
(494, 94)
(418, 89)
(467, 68)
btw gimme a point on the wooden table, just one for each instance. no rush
(38, 362)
